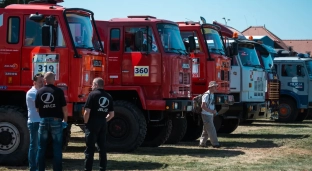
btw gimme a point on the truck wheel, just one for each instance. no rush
(287, 110)
(157, 133)
(228, 126)
(66, 137)
(302, 116)
(14, 136)
(193, 131)
(127, 130)
(179, 126)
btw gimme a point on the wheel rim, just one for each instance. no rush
(284, 110)
(9, 138)
(118, 128)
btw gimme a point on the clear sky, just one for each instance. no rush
(288, 19)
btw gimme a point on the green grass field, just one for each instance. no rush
(260, 146)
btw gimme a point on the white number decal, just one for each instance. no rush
(43, 63)
(141, 71)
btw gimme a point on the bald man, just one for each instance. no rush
(51, 106)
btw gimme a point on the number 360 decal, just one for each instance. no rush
(141, 71)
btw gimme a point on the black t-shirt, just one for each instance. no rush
(50, 100)
(100, 103)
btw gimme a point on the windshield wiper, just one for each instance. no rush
(85, 46)
(256, 66)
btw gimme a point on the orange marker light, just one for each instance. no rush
(235, 35)
(250, 38)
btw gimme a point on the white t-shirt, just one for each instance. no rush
(208, 98)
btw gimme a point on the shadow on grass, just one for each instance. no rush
(194, 152)
(78, 164)
(265, 136)
(173, 150)
(233, 144)
(277, 125)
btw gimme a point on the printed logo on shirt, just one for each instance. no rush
(103, 102)
(47, 99)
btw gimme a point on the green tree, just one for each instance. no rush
(4, 3)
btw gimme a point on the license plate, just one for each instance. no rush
(97, 63)
(263, 109)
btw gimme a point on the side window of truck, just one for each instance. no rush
(289, 70)
(115, 39)
(33, 34)
(185, 35)
(148, 39)
(13, 30)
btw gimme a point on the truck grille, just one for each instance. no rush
(273, 89)
(184, 88)
(184, 78)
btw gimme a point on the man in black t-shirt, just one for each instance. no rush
(98, 110)
(51, 105)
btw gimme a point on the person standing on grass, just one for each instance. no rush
(51, 105)
(33, 121)
(208, 112)
(98, 110)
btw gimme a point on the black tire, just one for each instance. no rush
(66, 137)
(179, 126)
(194, 129)
(287, 110)
(157, 133)
(302, 116)
(228, 126)
(14, 136)
(127, 130)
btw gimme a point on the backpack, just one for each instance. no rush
(197, 101)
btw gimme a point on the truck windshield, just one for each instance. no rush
(82, 31)
(171, 38)
(214, 41)
(309, 68)
(248, 55)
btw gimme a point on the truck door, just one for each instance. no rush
(10, 49)
(294, 79)
(37, 58)
(139, 67)
(114, 54)
(235, 76)
(199, 76)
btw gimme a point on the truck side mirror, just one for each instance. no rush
(139, 39)
(46, 37)
(36, 17)
(192, 43)
(234, 49)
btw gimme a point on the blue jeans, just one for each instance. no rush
(54, 127)
(33, 146)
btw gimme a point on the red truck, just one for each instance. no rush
(38, 37)
(149, 77)
(210, 63)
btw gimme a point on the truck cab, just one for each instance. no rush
(149, 77)
(247, 78)
(210, 63)
(38, 37)
(295, 74)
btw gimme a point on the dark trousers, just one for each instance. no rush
(95, 133)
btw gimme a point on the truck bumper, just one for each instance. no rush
(272, 106)
(176, 105)
(254, 110)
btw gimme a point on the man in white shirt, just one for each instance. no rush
(33, 121)
(208, 112)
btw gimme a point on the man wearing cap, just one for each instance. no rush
(51, 105)
(208, 112)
